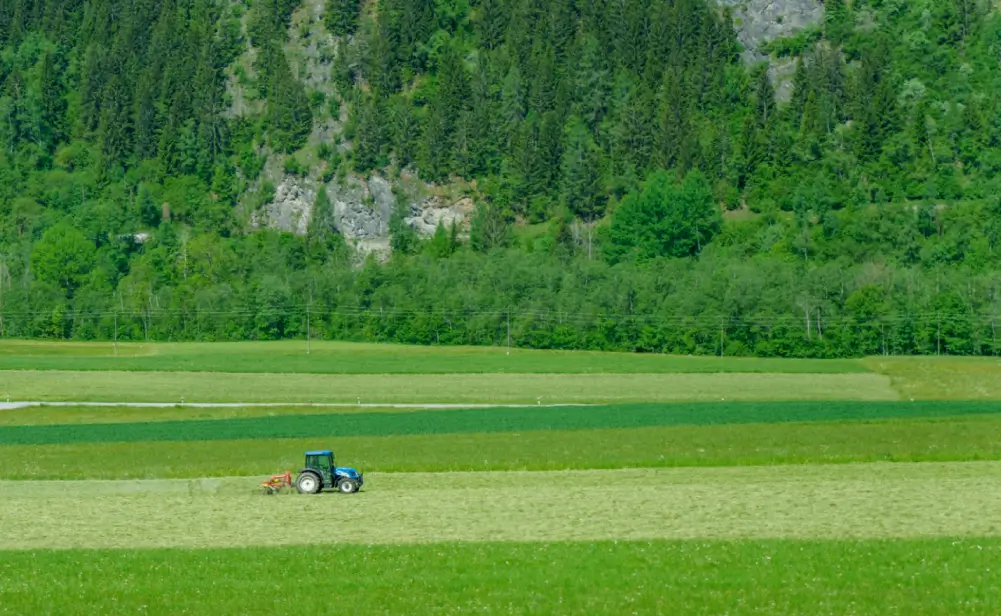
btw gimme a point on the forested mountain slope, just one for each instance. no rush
(217, 169)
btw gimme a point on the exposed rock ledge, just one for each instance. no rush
(360, 209)
(760, 21)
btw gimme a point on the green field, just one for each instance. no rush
(856, 501)
(368, 358)
(944, 439)
(98, 414)
(339, 372)
(469, 421)
(940, 577)
(686, 485)
(95, 386)
(946, 378)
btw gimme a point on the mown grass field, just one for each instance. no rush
(367, 358)
(99, 414)
(92, 386)
(858, 501)
(946, 378)
(693, 485)
(940, 577)
(344, 372)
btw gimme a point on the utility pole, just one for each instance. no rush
(307, 329)
(938, 335)
(509, 331)
(116, 332)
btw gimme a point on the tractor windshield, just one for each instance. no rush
(319, 462)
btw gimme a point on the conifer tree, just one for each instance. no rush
(369, 134)
(837, 20)
(341, 18)
(492, 23)
(582, 191)
(53, 105)
(289, 116)
(440, 245)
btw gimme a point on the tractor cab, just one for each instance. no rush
(321, 462)
(321, 472)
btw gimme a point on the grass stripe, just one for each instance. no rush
(607, 388)
(821, 578)
(855, 501)
(952, 439)
(486, 420)
(46, 414)
(368, 358)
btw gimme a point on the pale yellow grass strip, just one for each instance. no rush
(436, 388)
(942, 378)
(862, 501)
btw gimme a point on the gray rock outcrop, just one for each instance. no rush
(361, 209)
(760, 21)
(426, 216)
(291, 208)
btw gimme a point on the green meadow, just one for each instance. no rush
(470, 388)
(370, 358)
(668, 485)
(940, 577)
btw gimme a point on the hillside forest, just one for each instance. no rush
(638, 183)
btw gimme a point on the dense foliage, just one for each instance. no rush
(638, 185)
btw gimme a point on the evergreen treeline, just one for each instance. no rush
(638, 187)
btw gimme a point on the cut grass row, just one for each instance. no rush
(54, 386)
(822, 578)
(933, 378)
(468, 421)
(51, 415)
(366, 358)
(857, 501)
(913, 440)
(945, 378)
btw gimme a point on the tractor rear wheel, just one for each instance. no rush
(307, 483)
(347, 486)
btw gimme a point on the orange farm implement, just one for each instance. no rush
(277, 482)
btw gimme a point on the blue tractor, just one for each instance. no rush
(320, 472)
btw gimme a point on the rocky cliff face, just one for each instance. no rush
(361, 208)
(759, 21)
(432, 211)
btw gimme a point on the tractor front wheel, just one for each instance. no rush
(347, 486)
(307, 483)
